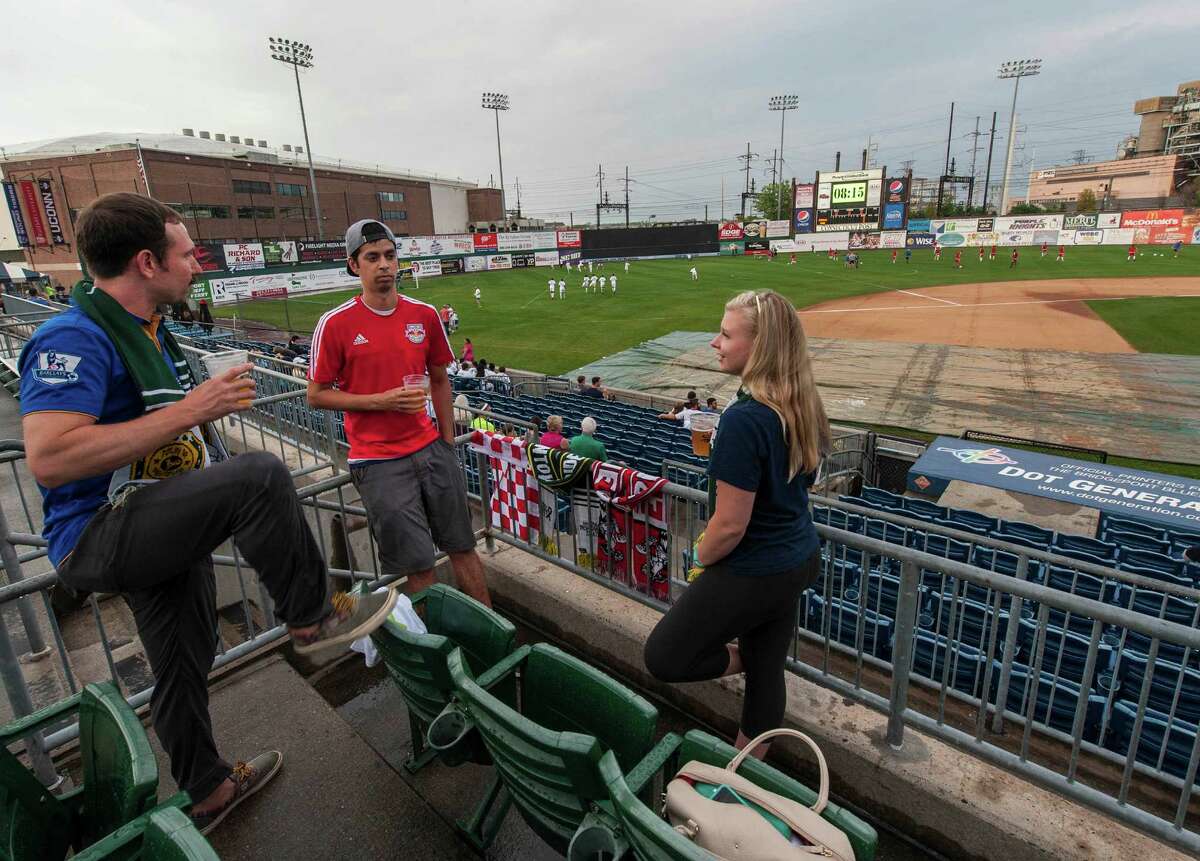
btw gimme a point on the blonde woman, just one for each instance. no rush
(553, 437)
(760, 549)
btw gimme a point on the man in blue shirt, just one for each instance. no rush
(115, 433)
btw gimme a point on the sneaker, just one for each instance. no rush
(248, 778)
(353, 616)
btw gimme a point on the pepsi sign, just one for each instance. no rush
(895, 190)
(804, 220)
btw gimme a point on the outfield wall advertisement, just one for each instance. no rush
(1160, 226)
(224, 291)
(891, 239)
(426, 268)
(530, 241)
(247, 255)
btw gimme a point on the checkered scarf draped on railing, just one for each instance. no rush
(515, 500)
(633, 520)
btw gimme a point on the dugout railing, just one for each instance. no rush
(919, 682)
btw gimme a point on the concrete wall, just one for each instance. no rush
(449, 204)
(1131, 178)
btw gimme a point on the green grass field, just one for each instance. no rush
(519, 327)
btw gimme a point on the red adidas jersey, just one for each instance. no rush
(362, 351)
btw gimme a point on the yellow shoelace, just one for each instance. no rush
(343, 603)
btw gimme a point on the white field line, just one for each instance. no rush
(996, 304)
(931, 298)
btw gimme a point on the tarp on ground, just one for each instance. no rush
(1136, 405)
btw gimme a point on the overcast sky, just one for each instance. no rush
(674, 90)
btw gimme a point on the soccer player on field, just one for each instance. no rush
(562, 289)
(612, 280)
(1044, 246)
(626, 265)
(981, 250)
(551, 283)
(695, 275)
(583, 285)
(1132, 253)
(993, 254)
(893, 256)
(937, 251)
(1013, 261)
(1062, 253)
(478, 298)
(958, 259)
(1175, 248)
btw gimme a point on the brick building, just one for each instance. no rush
(238, 192)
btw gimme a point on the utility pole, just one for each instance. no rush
(600, 197)
(497, 102)
(722, 198)
(297, 55)
(748, 157)
(626, 195)
(949, 134)
(837, 161)
(518, 180)
(987, 177)
(1080, 156)
(783, 104)
(975, 147)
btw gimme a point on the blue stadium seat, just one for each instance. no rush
(1157, 574)
(1000, 561)
(924, 510)
(1064, 650)
(1136, 541)
(1126, 525)
(844, 620)
(966, 664)
(884, 530)
(1079, 543)
(972, 622)
(1077, 583)
(883, 594)
(1172, 687)
(940, 545)
(1057, 700)
(1042, 538)
(1173, 740)
(975, 521)
(1149, 559)
(880, 496)
(1020, 540)
(963, 526)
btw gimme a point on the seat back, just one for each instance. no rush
(1150, 559)
(1136, 541)
(163, 834)
(1158, 730)
(120, 774)
(548, 758)
(417, 662)
(1173, 689)
(1102, 550)
(651, 837)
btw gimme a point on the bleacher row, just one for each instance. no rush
(956, 620)
(115, 813)
(574, 750)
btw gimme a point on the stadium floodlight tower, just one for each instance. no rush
(498, 102)
(1015, 69)
(299, 55)
(783, 104)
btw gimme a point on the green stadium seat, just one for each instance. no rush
(163, 834)
(418, 665)
(653, 839)
(120, 779)
(548, 753)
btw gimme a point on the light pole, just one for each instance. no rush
(297, 55)
(1015, 69)
(783, 104)
(498, 102)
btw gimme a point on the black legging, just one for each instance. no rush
(688, 644)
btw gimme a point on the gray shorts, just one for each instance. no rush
(414, 503)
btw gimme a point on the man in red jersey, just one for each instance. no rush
(403, 467)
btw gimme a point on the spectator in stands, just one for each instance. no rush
(462, 412)
(683, 412)
(404, 468)
(204, 317)
(585, 443)
(118, 435)
(60, 294)
(1192, 554)
(466, 369)
(36, 296)
(294, 344)
(468, 351)
(710, 406)
(595, 390)
(553, 437)
(480, 422)
(531, 435)
(444, 314)
(759, 551)
(481, 374)
(186, 317)
(580, 384)
(503, 381)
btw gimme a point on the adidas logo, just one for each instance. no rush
(359, 339)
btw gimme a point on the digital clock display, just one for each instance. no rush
(848, 194)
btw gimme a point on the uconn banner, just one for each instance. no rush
(1169, 501)
(14, 211)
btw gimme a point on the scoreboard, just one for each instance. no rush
(848, 200)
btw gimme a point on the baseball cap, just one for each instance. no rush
(362, 232)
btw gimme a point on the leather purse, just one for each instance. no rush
(744, 821)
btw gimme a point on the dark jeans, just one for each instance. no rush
(154, 548)
(688, 644)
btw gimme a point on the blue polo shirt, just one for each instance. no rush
(70, 365)
(750, 452)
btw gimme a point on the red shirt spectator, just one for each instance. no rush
(362, 351)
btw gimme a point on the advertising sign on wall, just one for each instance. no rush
(837, 241)
(757, 246)
(866, 241)
(729, 230)
(1029, 222)
(210, 256)
(985, 225)
(225, 290)
(804, 196)
(955, 225)
(280, 253)
(484, 241)
(1167, 500)
(247, 255)
(545, 258)
(896, 188)
(435, 246)
(321, 252)
(804, 220)
(569, 238)
(1080, 221)
(1108, 219)
(1118, 236)
(46, 190)
(891, 239)
(475, 264)
(893, 216)
(1156, 226)
(1089, 237)
(499, 261)
(569, 256)
(426, 268)
(33, 210)
(1015, 237)
(920, 225)
(755, 230)
(918, 240)
(14, 211)
(451, 265)
(783, 246)
(1047, 237)
(530, 241)
(777, 229)
(268, 292)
